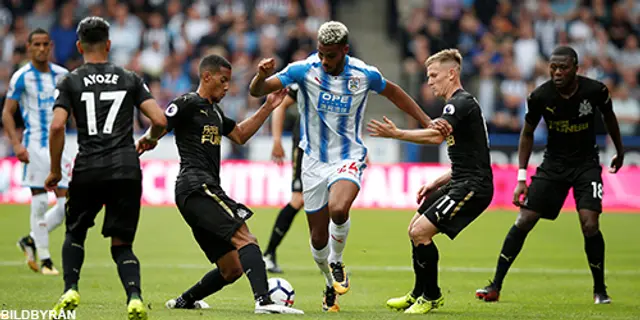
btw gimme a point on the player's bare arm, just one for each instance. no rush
(56, 146)
(428, 188)
(247, 128)
(388, 129)
(404, 102)
(611, 123)
(263, 83)
(10, 107)
(525, 148)
(157, 130)
(277, 123)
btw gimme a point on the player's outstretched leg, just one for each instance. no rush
(341, 197)
(72, 260)
(39, 203)
(594, 248)
(280, 229)
(404, 302)
(129, 272)
(511, 247)
(52, 219)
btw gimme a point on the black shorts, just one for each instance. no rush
(550, 186)
(121, 199)
(296, 163)
(454, 206)
(213, 218)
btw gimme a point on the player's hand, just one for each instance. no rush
(442, 125)
(21, 153)
(520, 192)
(616, 163)
(387, 129)
(424, 192)
(266, 67)
(275, 99)
(144, 143)
(51, 183)
(277, 153)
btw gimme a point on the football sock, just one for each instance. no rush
(594, 247)
(338, 240)
(254, 268)
(128, 269)
(282, 225)
(39, 204)
(55, 214)
(320, 257)
(427, 256)
(72, 259)
(512, 245)
(211, 283)
(419, 273)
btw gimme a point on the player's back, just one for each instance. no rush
(102, 98)
(468, 146)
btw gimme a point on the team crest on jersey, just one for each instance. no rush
(449, 109)
(354, 84)
(585, 108)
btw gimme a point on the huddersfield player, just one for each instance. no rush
(334, 90)
(457, 198)
(568, 104)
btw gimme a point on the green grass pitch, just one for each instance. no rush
(550, 279)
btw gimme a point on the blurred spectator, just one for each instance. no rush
(125, 35)
(64, 37)
(627, 111)
(41, 16)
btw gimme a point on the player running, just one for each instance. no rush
(333, 96)
(32, 89)
(568, 104)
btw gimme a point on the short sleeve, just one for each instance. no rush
(175, 112)
(228, 124)
(534, 111)
(604, 99)
(377, 82)
(293, 73)
(141, 91)
(16, 86)
(62, 94)
(456, 110)
(293, 91)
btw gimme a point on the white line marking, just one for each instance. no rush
(205, 266)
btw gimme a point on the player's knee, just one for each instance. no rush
(420, 234)
(231, 274)
(296, 200)
(339, 212)
(526, 220)
(319, 240)
(590, 227)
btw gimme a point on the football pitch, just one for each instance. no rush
(550, 279)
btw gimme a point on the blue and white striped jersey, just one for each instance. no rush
(332, 107)
(34, 92)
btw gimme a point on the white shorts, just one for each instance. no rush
(317, 178)
(36, 171)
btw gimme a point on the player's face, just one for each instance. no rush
(217, 83)
(562, 70)
(438, 78)
(332, 57)
(39, 47)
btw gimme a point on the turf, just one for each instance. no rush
(550, 279)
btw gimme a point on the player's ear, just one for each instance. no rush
(345, 49)
(107, 45)
(79, 47)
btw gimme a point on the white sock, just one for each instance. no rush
(338, 240)
(55, 215)
(320, 257)
(39, 204)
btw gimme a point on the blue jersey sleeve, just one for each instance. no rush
(16, 86)
(293, 73)
(377, 82)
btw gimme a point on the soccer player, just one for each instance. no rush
(458, 197)
(217, 222)
(568, 104)
(286, 215)
(32, 87)
(333, 98)
(101, 97)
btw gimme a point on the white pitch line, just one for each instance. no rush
(205, 266)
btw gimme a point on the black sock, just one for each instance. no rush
(418, 271)
(211, 283)
(253, 266)
(128, 270)
(427, 256)
(594, 247)
(510, 248)
(282, 225)
(72, 259)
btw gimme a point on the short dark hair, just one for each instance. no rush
(93, 30)
(36, 31)
(213, 62)
(567, 52)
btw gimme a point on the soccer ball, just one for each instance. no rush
(281, 292)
